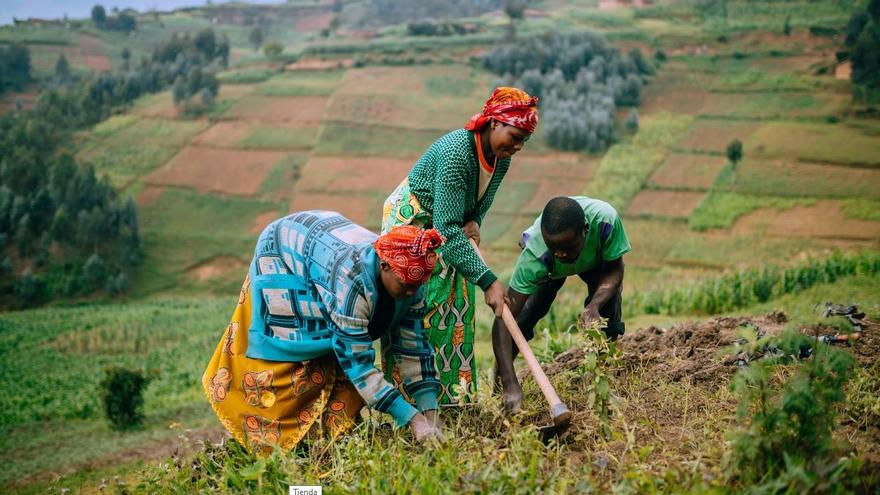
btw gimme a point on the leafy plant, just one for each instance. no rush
(787, 412)
(122, 392)
(600, 356)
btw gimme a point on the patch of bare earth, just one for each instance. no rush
(715, 135)
(825, 219)
(688, 171)
(673, 204)
(204, 169)
(262, 220)
(320, 64)
(314, 22)
(216, 267)
(279, 110)
(363, 209)
(93, 53)
(223, 134)
(149, 195)
(337, 174)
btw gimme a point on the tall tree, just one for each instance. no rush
(256, 37)
(99, 15)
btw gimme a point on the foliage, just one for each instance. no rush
(579, 78)
(122, 393)
(15, 67)
(273, 49)
(735, 151)
(256, 37)
(756, 285)
(784, 441)
(601, 357)
(390, 12)
(719, 210)
(431, 27)
(863, 46)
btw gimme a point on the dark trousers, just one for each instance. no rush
(538, 305)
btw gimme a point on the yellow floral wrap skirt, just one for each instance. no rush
(267, 404)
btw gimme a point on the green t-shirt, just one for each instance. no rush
(605, 238)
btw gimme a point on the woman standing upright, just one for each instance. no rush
(450, 188)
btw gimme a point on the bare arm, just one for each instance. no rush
(609, 282)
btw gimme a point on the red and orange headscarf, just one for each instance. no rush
(409, 251)
(509, 105)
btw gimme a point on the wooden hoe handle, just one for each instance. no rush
(558, 411)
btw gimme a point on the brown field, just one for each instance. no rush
(262, 220)
(688, 171)
(825, 220)
(337, 174)
(362, 209)
(278, 110)
(27, 98)
(228, 91)
(217, 170)
(715, 135)
(674, 204)
(313, 22)
(216, 267)
(578, 168)
(805, 179)
(92, 50)
(319, 64)
(386, 80)
(223, 134)
(149, 195)
(408, 110)
(681, 100)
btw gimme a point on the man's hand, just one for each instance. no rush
(496, 298)
(472, 231)
(424, 430)
(588, 316)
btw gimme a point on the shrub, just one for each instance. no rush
(122, 393)
(784, 441)
(273, 49)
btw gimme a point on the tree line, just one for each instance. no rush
(15, 67)
(862, 48)
(580, 80)
(63, 230)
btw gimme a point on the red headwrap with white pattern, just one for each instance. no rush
(409, 251)
(512, 106)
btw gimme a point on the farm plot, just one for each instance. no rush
(670, 204)
(335, 174)
(784, 178)
(686, 171)
(358, 140)
(714, 135)
(217, 170)
(814, 142)
(278, 138)
(362, 207)
(409, 110)
(428, 80)
(302, 83)
(278, 110)
(770, 105)
(224, 134)
(825, 219)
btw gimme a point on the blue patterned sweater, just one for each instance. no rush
(314, 290)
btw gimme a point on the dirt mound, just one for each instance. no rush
(694, 350)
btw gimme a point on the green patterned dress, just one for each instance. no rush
(441, 191)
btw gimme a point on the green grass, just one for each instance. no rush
(785, 179)
(862, 209)
(183, 229)
(126, 148)
(626, 167)
(245, 76)
(279, 138)
(767, 105)
(54, 358)
(813, 142)
(284, 174)
(349, 139)
(721, 209)
(302, 83)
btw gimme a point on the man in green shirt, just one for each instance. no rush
(573, 236)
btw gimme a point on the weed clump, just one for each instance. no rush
(122, 393)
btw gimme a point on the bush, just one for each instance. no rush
(122, 393)
(273, 49)
(784, 441)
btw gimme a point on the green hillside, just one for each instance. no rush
(338, 119)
